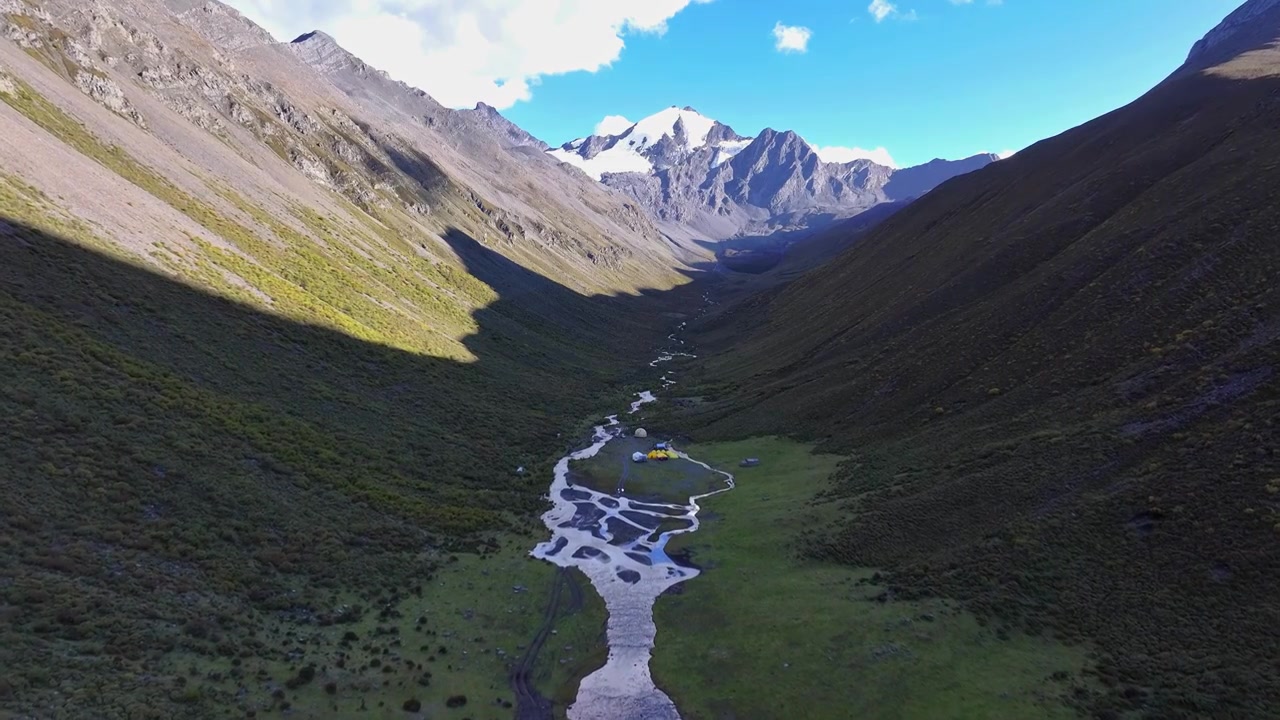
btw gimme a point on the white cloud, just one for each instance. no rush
(835, 153)
(881, 9)
(1006, 154)
(612, 125)
(467, 51)
(791, 38)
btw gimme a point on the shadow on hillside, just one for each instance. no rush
(1057, 379)
(794, 251)
(172, 454)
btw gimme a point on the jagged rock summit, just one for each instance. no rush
(698, 177)
(655, 143)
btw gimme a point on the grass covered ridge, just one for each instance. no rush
(1056, 383)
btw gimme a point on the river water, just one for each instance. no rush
(611, 540)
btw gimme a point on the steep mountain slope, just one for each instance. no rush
(1058, 380)
(274, 346)
(699, 178)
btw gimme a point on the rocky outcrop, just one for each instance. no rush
(108, 94)
(510, 134)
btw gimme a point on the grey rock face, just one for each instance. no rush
(223, 26)
(109, 94)
(723, 189)
(532, 197)
(511, 134)
(343, 126)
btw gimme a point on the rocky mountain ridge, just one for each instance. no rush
(344, 126)
(698, 176)
(1244, 27)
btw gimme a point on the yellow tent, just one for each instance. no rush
(659, 455)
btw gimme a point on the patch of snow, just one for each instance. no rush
(728, 149)
(616, 159)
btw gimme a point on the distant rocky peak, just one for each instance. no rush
(784, 138)
(316, 36)
(219, 23)
(319, 50)
(1253, 22)
(510, 134)
(721, 133)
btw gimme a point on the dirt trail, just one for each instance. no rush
(530, 704)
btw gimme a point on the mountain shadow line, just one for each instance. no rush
(187, 477)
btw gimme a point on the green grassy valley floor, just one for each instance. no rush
(762, 634)
(457, 639)
(674, 480)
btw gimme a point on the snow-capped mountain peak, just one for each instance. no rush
(698, 177)
(685, 126)
(654, 143)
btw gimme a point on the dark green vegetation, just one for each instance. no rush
(1057, 380)
(241, 487)
(766, 634)
(272, 467)
(672, 481)
(190, 482)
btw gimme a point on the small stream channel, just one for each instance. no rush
(613, 541)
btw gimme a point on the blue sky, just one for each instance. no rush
(930, 78)
(953, 81)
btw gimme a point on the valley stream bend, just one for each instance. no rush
(612, 541)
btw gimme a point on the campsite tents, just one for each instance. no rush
(659, 455)
(641, 432)
(638, 457)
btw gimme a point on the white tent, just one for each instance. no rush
(638, 457)
(641, 432)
